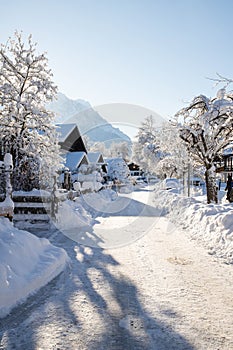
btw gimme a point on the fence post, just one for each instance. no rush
(54, 200)
(8, 164)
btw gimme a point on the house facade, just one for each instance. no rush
(97, 158)
(224, 163)
(135, 169)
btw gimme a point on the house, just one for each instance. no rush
(73, 151)
(70, 138)
(72, 162)
(97, 159)
(75, 159)
(135, 169)
(224, 163)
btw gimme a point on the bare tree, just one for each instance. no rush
(206, 127)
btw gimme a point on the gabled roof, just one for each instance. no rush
(133, 166)
(75, 159)
(70, 139)
(95, 158)
(64, 130)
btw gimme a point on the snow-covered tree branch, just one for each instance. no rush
(27, 129)
(174, 156)
(145, 150)
(206, 127)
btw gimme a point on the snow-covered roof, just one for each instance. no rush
(74, 160)
(95, 157)
(64, 131)
(114, 160)
(228, 150)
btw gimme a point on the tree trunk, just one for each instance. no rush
(211, 188)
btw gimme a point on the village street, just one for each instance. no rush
(135, 282)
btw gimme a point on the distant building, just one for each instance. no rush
(224, 163)
(97, 159)
(75, 159)
(72, 162)
(135, 169)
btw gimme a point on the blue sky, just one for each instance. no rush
(156, 54)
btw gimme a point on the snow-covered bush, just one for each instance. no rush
(88, 178)
(118, 170)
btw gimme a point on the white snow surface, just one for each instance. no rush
(211, 224)
(34, 192)
(72, 215)
(26, 264)
(64, 130)
(157, 291)
(80, 213)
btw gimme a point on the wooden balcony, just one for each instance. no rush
(225, 164)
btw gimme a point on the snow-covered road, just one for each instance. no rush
(144, 285)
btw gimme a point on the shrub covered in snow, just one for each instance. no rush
(118, 169)
(88, 178)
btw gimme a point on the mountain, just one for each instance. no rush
(89, 121)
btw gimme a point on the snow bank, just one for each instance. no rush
(26, 264)
(81, 212)
(210, 223)
(98, 202)
(72, 215)
(75, 219)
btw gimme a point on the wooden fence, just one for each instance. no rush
(32, 211)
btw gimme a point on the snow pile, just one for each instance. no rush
(88, 179)
(26, 264)
(89, 186)
(98, 202)
(7, 207)
(72, 215)
(95, 176)
(209, 223)
(75, 219)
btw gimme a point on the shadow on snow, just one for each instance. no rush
(89, 306)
